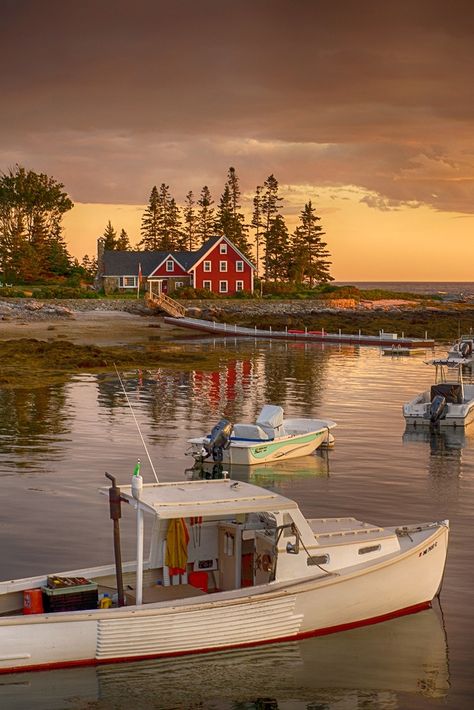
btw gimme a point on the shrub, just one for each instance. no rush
(12, 292)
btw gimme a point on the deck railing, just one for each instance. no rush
(167, 304)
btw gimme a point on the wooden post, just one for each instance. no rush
(115, 515)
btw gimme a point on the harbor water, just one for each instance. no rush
(57, 442)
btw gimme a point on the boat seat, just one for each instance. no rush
(451, 392)
(270, 420)
(251, 432)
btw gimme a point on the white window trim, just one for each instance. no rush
(207, 267)
(207, 285)
(223, 248)
(169, 262)
(239, 285)
(128, 285)
(221, 290)
(178, 284)
(223, 266)
(239, 266)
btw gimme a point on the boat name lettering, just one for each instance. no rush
(428, 549)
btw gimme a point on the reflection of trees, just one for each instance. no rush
(294, 372)
(32, 421)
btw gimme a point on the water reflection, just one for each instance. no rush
(361, 668)
(33, 423)
(264, 474)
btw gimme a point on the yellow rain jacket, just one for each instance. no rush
(177, 540)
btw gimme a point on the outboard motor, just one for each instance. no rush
(218, 441)
(438, 405)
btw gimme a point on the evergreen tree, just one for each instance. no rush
(171, 238)
(230, 221)
(31, 209)
(190, 226)
(205, 226)
(277, 252)
(311, 257)
(123, 242)
(270, 206)
(150, 228)
(257, 223)
(110, 237)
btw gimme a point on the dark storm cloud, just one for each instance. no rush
(113, 97)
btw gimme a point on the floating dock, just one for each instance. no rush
(314, 336)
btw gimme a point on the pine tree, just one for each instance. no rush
(311, 262)
(190, 219)
(270, 211)
(257, 223)
(277, 252)
(150, 228)
(230, 221)
(205, 226)
(171, 237)
(110, 237)
(123, 242)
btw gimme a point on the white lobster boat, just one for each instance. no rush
(271, 438)
(255, 571)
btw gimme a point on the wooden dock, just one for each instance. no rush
(314, 336)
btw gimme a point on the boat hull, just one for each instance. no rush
(243, 453)
(404, 582)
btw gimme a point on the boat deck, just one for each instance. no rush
(339, 530)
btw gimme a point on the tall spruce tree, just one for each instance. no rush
(205, 226)
(190, 226)
(277, 252)
(230, 221)
(150, 227)
(271, 203)
(257, 224)
(310, 255)
(110, 237)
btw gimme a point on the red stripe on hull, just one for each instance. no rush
(307, 634)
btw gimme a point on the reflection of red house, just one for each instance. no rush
(217, 266)
(222, 387)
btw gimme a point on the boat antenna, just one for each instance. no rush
(136, 422)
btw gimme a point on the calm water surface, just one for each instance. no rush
(57, 442)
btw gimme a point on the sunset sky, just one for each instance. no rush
(365, 107)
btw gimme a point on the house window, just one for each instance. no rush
(207, 284)
(129, 281)
(207, 266)
(223, 287)
(239, 285)
(178, 284)
(170, 265)
(223, 248)
(239, 265)
(223, 266)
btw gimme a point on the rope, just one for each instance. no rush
(137, 425)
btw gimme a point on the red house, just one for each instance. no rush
(217, 266)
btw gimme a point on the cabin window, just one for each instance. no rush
(223, 287)
(317, 560)
(223, 266)
(239, 285)
(239, 265)
(207, 266)
(370, 548)
(207, 284)
(129, 281)
(170, 265)
(178, 284)
(223, 248)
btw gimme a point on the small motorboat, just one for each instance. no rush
(446, 403)
(271, 438)
(230, 565)
(462, 350)
(400, 350)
